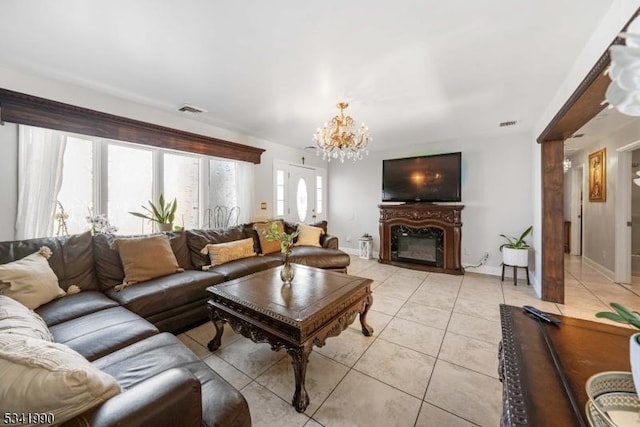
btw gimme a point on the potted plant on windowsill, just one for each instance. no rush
(161, 213)
(516, 251)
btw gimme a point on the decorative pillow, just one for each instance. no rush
(145, 259)
(266, 246)
(41, 376)
(17, 319)
(30, 280)
(224, 252)
(309, 236)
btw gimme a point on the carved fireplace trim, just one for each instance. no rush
(423, 215)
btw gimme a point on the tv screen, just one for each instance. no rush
(422, 179)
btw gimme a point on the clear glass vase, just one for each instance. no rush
(287, 272)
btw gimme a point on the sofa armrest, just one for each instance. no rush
(328, 241)
(170, 398)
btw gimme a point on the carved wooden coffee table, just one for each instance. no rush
(319, 304)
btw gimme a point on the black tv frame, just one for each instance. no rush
(457, 197)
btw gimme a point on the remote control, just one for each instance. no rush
(541, 315)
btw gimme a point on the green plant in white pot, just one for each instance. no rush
(162, 213)
(622, 314)
(515, 252)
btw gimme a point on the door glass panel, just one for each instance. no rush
(301, 200)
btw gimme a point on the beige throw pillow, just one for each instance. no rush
(224, 252)
(41, 376)
(309, 236)
(145, 258)
(30, 280)
(267, 246)
(16, 318)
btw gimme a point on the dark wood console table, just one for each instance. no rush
(446, 218)
(544, 368)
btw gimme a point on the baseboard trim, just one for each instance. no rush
(351, 251)
(599, 268)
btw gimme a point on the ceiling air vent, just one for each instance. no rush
(186, 108)
(509, 123)
(577, 135)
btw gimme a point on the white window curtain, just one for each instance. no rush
(40, 158)
(245, 191)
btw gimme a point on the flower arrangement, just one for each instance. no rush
(100, 224)
(275, 232)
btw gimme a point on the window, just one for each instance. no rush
(99, 176)
(279, 192)
(182, 181)
(76, 191)
(130, 185)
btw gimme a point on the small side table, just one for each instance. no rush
(515, 273)
(365, 246)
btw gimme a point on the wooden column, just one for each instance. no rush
(552, 221)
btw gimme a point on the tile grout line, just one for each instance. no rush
(426, 389)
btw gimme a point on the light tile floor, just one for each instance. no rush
(432, 360)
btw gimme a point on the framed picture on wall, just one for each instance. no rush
(598, 176)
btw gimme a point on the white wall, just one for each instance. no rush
(71, 94)
(496, 192)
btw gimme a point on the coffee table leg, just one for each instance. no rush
(215, 343)
(299, 359)
(366, 329)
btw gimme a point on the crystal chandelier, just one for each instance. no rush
(340, 139)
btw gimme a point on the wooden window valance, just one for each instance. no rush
(30, 110)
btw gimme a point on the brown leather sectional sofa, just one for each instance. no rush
(126, 333)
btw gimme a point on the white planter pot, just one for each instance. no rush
(165, 227)
(634, 355)
(515, 257)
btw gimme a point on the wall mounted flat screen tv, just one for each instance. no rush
(434, 178)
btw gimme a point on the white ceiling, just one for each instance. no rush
(414, 71)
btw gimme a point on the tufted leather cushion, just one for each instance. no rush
(221, 253)
(267, 246)
(319, 257)
(102, 332)
(198, 239)
(30, 280)
(72, 306)
(71, 261)
(222, 404)
(109, 270)
(146, 258)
